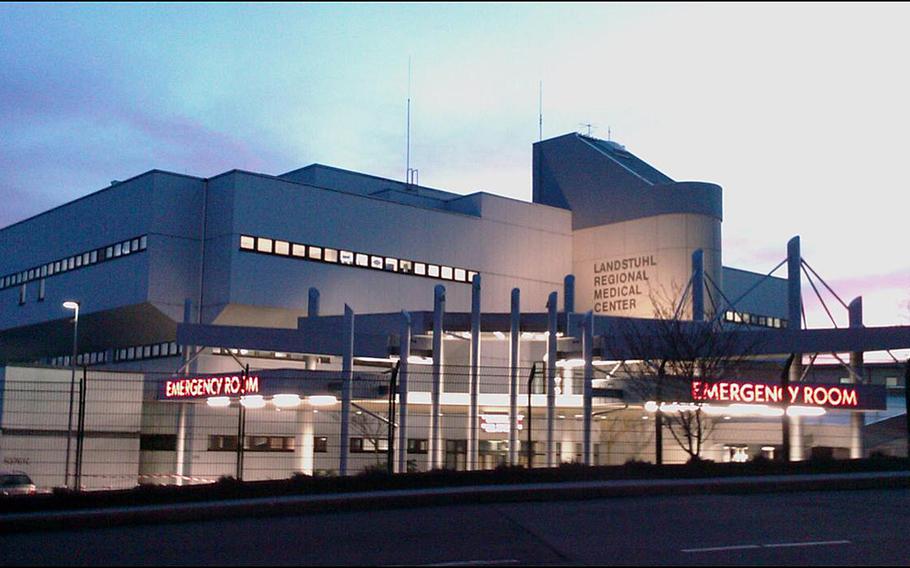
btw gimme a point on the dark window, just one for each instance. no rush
(219, 443)
(320, 445)
(158, 442)
(418, 445)
(368, 445)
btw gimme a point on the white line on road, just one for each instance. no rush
(773, 545)
(476, 563)
(719, 548)
(816, 543)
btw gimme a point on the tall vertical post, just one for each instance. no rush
(404, 351)
(587, 342)
(312, 307)
(439, 310)
(180, 465)
(568, 286)
(69, 424)
(857, 421)
(347, 377)
(514, 344)
(551, 376)
(794, 323)
(698, 285)
(473, 443)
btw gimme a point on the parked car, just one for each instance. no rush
(16, 483)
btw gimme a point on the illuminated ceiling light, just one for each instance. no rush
(322, 400)
(286, 400)
(218, 401)
(252, 401)
(280, 355)
(650, 406)
(767, 448)
(499, 335)
(244, 351)
(418, 360)
(805, 411)
(644, 417)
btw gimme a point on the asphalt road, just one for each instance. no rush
(831, 528)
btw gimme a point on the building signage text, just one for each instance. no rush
(619, 284)
(831, 396)
(498, 423)
(199, 387)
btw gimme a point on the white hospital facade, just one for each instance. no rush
(183, 276)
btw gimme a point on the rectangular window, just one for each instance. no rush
(156, 350)
(247, 242)
(221, 443)
(405, 266)
(331, 255)
(320, 445)
(362, 260)
(282, 248)
(376, 262)
(316, 253)
(43, 271)
(85, 259)
(22, 294)
(146, 351)
(31, 274)
(268, 443)
(391, 264)
(347, 257)
(41, 290)
(446, 272)
(117, 250)
(158, 442)
(461, 275)
(298, 250)
(78, 261)
(143, 242)
(125, 247)
(264, 245)
(420, 269)
(93, 257)
(134, 245)
(131, 353)
(418, 445)
(433, 271)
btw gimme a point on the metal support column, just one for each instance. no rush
(551, 377)
(347, 377)
(514, 354)
(587, 341)
(698, 285)
(473, 444)
(794, 314)
(857, 362)
(404, 351)
(435, 443)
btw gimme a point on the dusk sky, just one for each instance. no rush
(800, 112)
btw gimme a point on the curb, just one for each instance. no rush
(393, 499)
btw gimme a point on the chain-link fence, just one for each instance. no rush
(99, 429)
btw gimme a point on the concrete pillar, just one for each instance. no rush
(568, 385)
(698, 285)
(181, 458)
(551, 377)
(404, 351)
(435, 442)
(304, 443)
(857, 420)
(794, 323)
(514, 362)
(347, 377)
(587, 339)
(473, 444)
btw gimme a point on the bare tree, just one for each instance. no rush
(665, 354)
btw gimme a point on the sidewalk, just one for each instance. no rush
(306, 504)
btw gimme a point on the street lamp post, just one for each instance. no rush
(71, 305)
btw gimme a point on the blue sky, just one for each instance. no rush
(800, 111)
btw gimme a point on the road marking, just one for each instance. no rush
(816, 543)
(476, 563)
(719, 548)
(773, 545)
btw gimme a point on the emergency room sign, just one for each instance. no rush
(203, 387)
(856, 397)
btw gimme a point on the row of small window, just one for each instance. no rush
(357, 259)
(92, 358)
(166, 349)
(74, 262)
(228, 443)
(264, 354)
(753, 319)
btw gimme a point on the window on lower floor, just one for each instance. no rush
(158, 442)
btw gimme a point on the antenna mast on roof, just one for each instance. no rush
(588, 125)
(407, 175)
(540, 112)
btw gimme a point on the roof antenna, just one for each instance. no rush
(588, 125)
(407, 175)
(609, 133)
(540, 112)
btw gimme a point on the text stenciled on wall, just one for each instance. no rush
(620, 285)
